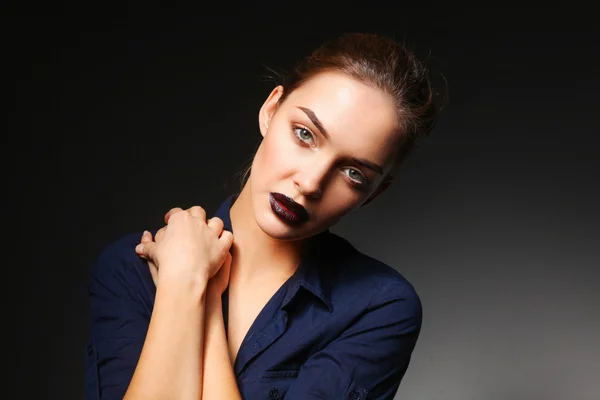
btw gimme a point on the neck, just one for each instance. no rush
(257, 256)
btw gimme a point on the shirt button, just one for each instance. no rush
(90, 350)
(274, 393)
(354, 395)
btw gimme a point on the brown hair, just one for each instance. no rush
(383, 63)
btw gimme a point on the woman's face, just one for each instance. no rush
(328, 146)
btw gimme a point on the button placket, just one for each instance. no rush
(274, 393)
(354, 395)
(262, 340)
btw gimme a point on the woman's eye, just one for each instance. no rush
(306, 136)
(303, 134)
(356, 176)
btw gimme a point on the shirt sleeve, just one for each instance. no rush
(371, 357)
(121, 294)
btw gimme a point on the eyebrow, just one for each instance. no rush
(313, 117)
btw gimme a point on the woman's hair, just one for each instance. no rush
(382, 63)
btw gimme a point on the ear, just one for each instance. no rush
(380, 189)
(268, 109)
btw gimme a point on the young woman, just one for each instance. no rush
(262, 300)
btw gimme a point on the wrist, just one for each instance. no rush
(213, 297)
(214, 304)
(186, 286)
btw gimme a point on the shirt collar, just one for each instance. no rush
(310, 272)
(223, 211)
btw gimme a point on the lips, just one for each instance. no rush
(288, 209)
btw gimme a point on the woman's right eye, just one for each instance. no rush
(303, 134)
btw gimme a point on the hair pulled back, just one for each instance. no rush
(380, 62)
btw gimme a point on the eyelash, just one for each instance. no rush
(297, 128)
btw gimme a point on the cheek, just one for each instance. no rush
(277, 154)
(336, 204)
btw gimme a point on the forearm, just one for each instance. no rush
(170, 365)
(219, 378)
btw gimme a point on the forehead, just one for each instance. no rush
(355, 115)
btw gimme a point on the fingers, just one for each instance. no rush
(216, 224)
(146, 237)
(226, 240)
(225, 268)
(171, 212)
(147, 246)
(146, 250)
(198, 212)
(227, 262)
(195, 211)
(225, 237)
(159, 234)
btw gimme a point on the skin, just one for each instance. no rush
(191, 252)
(297, 158)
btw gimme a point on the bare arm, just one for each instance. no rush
(170, 365)
(219, 377)
(190, 252)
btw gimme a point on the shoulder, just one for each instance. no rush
(120, 271)
(120, 252)
(354, 274)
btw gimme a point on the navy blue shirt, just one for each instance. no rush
(343, 326)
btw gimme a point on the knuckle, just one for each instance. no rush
(227, 238)
(173, 212)
(216, 221)
(197, 210)
(179, 216)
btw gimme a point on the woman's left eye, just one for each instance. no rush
(356, 176)
(303, 134)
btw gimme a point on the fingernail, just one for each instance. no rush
(139, 248)
(145, 233)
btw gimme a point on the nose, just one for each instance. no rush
(311, 179)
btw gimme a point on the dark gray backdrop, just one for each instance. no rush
(494, 219)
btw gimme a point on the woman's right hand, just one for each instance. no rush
(190, 248)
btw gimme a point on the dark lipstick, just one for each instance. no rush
(287, 209)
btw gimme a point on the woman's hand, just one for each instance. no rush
(219, 282)
(216, 285)
(147, 237)
(188, 248)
